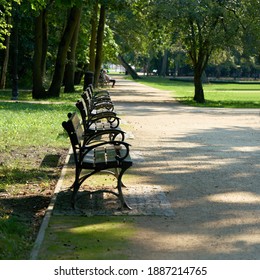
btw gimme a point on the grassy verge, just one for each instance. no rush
(33, 147)
(225, 95)
(91, 238)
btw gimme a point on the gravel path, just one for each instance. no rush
(207, 163)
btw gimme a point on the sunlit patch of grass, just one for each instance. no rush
(87, 238)
(225, 95)
(32, 124)
(26, 95)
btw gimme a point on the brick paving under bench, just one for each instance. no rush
(144, 200)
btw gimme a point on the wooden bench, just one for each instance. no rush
(97, 93)
(100, 103)
(96, 130)
(95, 156)
(92, 120)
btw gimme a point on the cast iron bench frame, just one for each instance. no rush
(111, 157)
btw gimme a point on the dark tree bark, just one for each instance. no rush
(92, 45)
(39, 58)
(199, 66)
(100, 40)
(128, 68)
(199, 92)
(69, 75)
(15, 52)
(164, 64)
(64, 44)
(6, 58)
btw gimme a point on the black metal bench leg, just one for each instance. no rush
(119, 187)
(77, 183)
(74, 194)
(75, 186)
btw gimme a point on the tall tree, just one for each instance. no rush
(69, 74)
(72, 22)
(6, 52)
(100, 40)
(202, 27)
(5, 31)
(128, 67)
(93, 37)
(164, 63)
(40, 53)
(130, 27)
(5, 12)
(41, 9)
(15, 51)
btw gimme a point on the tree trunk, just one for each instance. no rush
(92, 45)
(39, 57)
(6, 57)
(128, 68)
(64, 44)
(15, 51)
(69, 75)
(164, 64)
(100, 39)
(199, 57)
(199, 92)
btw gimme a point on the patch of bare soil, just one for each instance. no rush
(27, 188)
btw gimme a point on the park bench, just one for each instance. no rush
(98, 93)
(92, 120)
(95, 155)
(90, 129)
(97, 103)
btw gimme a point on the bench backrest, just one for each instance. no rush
(87, 102)
(75, 132)
(83, 112)
(89, 91)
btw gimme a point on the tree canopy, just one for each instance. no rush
(57, 41)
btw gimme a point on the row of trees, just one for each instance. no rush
(59, 40)
(54, 40)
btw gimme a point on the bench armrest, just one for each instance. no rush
(110, 116)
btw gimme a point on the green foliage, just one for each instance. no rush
(141, 30)
(5, 11)
(111, 48)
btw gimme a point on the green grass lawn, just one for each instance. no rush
(226, 95)
(29, 134)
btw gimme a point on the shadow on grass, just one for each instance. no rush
(51, 160)
(20, 217)
(12, 176)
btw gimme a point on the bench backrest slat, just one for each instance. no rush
(75, 132)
